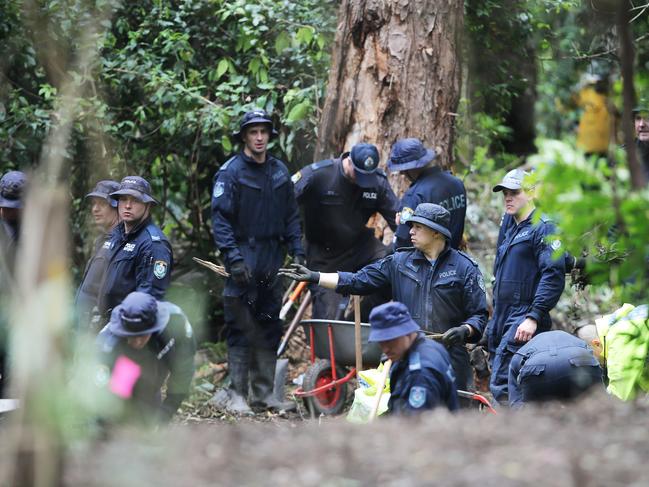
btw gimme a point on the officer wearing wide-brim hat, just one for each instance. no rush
(103, 210)
(442, 288)
(338, 196)
(140, 256)
(429, 184)
(12, 188)
(421, 377)
(255, 223)
(158, 338)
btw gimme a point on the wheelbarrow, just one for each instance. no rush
(324, 385)
(333, 356)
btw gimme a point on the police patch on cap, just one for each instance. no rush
(417, 397)
(219, 189)
(406, 214)
(160, 269)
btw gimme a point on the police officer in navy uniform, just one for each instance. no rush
(442, 287)
(140, 256)
(641, 124)
(255, 219)
(552, 366)
(104, 213)
(12, 187)
(528, 280)
(157, 337)
(338, 197)
(429, 184)
(421, 377)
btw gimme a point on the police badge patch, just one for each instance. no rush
(369, 163)
(160, 269)
(406, 214)
(417, 397)
(296, 177)
(481, 284)
(556, 244)
(219, 189)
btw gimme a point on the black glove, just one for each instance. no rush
(240, 273)
(300, 273)
(455, 335)
(299, 260)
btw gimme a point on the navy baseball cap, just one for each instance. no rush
(103, 189)
(513, 180)
(433, 216)
(255, 117)
(12, 186)
(138, 315)
(409, 154)
(365, 158)
(389, 321)
(135, 186)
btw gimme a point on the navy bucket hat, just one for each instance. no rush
(433, 216)
(389, 321)
(365, 158)
(409, 154)
(103, 189)
(138, 315)
(135, 186)
(12, 186)
(255, 117)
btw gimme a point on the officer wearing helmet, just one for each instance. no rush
(139, 255)
(421, 377)
(428, 184)
(441, 287)
(338, 197)
(104, 213)
(255, 221)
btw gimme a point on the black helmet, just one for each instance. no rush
(255, 117)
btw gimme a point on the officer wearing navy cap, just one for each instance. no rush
(442, 288)
(104, 213)
(429, 184)
(554, 365)
(421, 377)
(255, 221)
(528, 280)
(12, 188)
(338, 197)
(157, 336)
(139, 255)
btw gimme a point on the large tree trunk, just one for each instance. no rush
(395, 73)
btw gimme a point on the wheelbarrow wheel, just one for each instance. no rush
(330, 401)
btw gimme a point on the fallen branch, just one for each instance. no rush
(218, 269)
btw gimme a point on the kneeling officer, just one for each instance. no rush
(145, 344)
(552, 365)
(421, 377)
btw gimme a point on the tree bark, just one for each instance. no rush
(395, 73)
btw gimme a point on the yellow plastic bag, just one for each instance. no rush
(365, 396)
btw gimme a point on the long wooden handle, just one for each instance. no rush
(379, 391)
(296, 321)
(357, 335)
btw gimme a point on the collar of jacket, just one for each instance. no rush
(137, 229)
(419, 255)
(428, 172)
(251, 161)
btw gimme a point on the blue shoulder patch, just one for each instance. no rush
(417, 397)
(320, 164)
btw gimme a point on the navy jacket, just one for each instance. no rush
(434, 186)
(140, 260)
(439, 296)
(336, 211)
(167, 357)
(254, 214)
(557, 363)
(422, 380)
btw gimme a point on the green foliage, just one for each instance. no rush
(597, 214)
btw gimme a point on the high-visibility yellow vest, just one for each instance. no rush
(594, 131)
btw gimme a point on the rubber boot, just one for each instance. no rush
(233, 399)
(262, 381)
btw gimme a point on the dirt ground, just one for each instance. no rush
(598, 441)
